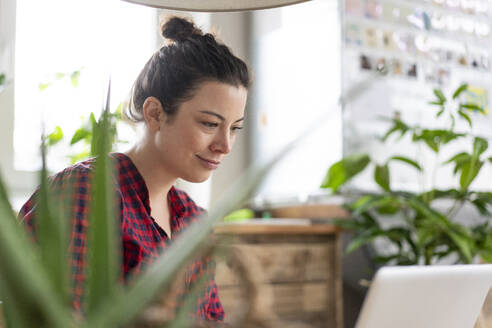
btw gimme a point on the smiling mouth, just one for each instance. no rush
(209, 164)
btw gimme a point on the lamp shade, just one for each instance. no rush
(215, 5)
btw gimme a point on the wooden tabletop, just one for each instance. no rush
(277, 226)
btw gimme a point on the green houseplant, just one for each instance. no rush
(87, 133)
(420, 232)
(33, 276)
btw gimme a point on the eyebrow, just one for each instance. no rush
(219, 116)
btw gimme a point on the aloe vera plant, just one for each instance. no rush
(34, 275)
(421, 232)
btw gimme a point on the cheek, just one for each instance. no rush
(195, 141)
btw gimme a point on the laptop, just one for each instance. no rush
(447, 296)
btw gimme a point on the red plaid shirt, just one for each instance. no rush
(143, 239)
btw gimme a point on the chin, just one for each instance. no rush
(197, 178)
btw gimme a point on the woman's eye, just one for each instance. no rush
(236, 128)
(210, 124)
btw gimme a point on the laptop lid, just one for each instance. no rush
(448, 296)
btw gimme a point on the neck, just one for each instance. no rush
(157, 180)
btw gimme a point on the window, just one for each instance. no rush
(103, 39)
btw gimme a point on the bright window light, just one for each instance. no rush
(103, 39)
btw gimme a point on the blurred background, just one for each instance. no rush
(56, 58)
(61, 64)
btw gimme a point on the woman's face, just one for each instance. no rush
(196, 139)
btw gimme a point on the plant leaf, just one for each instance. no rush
(460, 89)
(460, 157)
(429, 213)
(344, 170)
(44, 86)
(481, 207)
(464, 244)
(459, 160)
(440, 96)
(24, 282)
(398, 125)
(466, 117)
(385, 259)
(408, 161)
(74, 78)
(473, 107)
(480, 145)
(80, 134)
(55, 136)
(361, 240)
(389, 205)
(52, 232)
(103, 245)
(434, 138)
(469, 171)
(382, 176)
(361, 202)
(440, 194)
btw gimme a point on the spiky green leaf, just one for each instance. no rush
(465, 117)
(473, 106)
(52, 233)
(103, 244)
(24, 282)
(440, 95)
(460, 89)
(407, 161)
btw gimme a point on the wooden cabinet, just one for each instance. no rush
(294, 274)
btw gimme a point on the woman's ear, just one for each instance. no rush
(153, 113)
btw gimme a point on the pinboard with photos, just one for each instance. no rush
(407, 48)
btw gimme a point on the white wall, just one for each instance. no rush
(296, 56)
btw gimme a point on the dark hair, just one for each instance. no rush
(174, 72)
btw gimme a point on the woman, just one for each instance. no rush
(191, 96)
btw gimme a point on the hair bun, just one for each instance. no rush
(178, 29)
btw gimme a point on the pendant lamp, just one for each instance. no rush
(215, 5)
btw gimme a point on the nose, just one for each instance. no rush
(222, 143)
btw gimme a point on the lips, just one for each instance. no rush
(208, 163)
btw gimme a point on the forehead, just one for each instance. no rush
(225, 99)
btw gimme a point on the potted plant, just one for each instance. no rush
(415, 229)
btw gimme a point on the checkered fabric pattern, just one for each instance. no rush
(143, 239)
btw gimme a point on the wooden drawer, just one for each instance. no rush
(281, 263)
(296, 279)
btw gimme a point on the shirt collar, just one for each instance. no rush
(128, 168)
